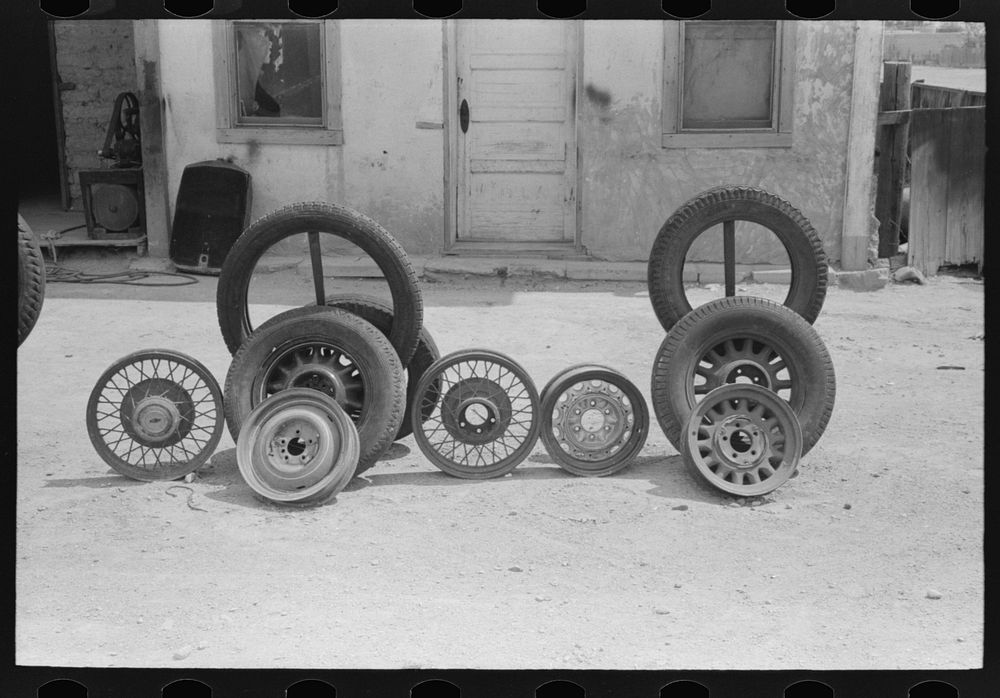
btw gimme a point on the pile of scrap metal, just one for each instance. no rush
(741, 386)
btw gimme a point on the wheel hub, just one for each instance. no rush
(318, 377)
(741, 443)
(592, 419)
(746, 372)
(476, 410)
(157, 412)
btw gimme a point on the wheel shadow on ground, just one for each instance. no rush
(666, 476)
(112, 478)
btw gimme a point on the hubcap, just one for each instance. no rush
(157, 412)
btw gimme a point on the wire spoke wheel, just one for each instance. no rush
(155, 415)
(594, 420)
(478, 414)
(743, 439)
(298, 447)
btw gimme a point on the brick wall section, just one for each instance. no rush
(96, 57)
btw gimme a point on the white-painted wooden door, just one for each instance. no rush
(517, 155)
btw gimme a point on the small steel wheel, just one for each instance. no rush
(743, 439)
(594, 420)
(155, 415)
(298, 447)
(480, 414)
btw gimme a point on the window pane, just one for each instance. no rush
(279, 71)
(728, 74)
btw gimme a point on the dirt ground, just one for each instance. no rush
(870, 558)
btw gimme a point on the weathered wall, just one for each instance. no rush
(95, 60)
(631, 184)
(387, 168)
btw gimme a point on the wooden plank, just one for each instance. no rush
(891, 118)
(858, 202)
(154, 160)
(891, 146)
(929, 150)
(964, 226)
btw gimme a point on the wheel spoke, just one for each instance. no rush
(317, 267)
(729, 255)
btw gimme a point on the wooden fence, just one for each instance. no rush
(923, 96)
(947, 169)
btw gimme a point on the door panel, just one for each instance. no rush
(517, 158)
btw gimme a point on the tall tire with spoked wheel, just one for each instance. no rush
(727, 206)
(329, 350)
(743, 340)
(317, 220)
(30, 280)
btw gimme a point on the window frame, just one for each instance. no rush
(778, 135)
(330, 132)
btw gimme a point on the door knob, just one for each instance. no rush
(463, 116)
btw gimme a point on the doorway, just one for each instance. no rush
(513, 126)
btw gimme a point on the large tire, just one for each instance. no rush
(665, 273)
(30, 280)
(379, 313)
(238, 268)
(379, 411)
(699, 340)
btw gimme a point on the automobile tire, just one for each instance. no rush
(743, 339)
(304, 347)
(665, 273)
(238, 267)
(30, 280)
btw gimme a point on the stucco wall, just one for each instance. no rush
(387, 168)
(631, 184)
(392, 75)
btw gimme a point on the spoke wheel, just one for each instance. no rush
(594, 420)
(743, 439)
(298, 447)
(155, 415)
(479, 412)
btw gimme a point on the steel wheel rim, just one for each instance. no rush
(744, 440)
(594, 420)
(744, 360)
(326, 457)
(507, 404)
(316, 365)
(155, 415)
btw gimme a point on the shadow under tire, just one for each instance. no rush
(743, 339)
(379, 313)
(328, 219)
(665, 272)
(30, 280)
(330, 350)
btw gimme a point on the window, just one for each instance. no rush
(728, 84)
(278, 82)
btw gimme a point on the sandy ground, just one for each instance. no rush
(412, 568)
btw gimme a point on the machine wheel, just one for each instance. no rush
(379, 313)
(297, 447)
(743, 340)
(30, 280)
(314, 219)
(329, 350)
(726, 205)
(482, 412)
(594, 420)
(155, 415)
(743, 440)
